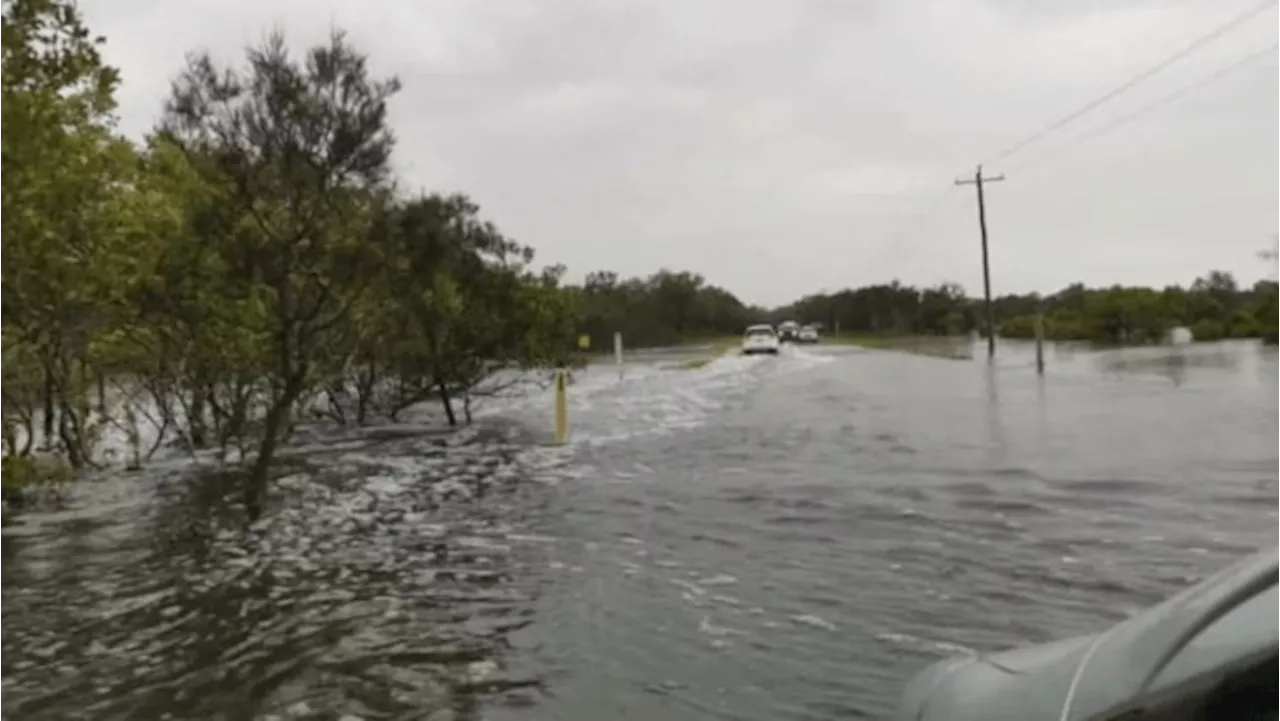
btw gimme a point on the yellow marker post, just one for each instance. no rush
(562, 406)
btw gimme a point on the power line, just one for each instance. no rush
(1154, 105)
(1135, 80)
(900, 235)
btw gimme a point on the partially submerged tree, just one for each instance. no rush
(252, 257)
(295, 150)
(63, 171)
(253, 265)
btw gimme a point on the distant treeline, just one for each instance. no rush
(668, 306)
(1213, 307)
(254, 263)
(664, 308)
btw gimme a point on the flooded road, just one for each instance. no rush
(760, 538)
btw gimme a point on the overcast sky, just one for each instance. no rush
(780, 147)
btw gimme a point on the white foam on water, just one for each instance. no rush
(940, 648)
(806, 357)
(606, 406)
(657, 403)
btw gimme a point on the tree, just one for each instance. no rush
(62, 173)
(892, 308)
(254, 257)
(666, 307)
(1213, 306)
(296, 151)
(253, 266)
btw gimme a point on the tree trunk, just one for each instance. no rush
(69, 440)
(195, 424)
(448, 405)
(365, 381)
(255, 489)
(334, 394)
(362, 409)
(49, 392)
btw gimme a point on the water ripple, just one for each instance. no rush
(758, 539)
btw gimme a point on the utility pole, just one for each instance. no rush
(1274, 256)
(978, 181)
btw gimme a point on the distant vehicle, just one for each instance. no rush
(760, 339)
(807, 334)
(788, 331)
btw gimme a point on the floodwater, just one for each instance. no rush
(767, 539)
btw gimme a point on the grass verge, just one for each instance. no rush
(694, 363)
(715, 348)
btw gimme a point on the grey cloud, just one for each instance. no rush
(779, 147)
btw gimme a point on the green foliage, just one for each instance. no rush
(1208, 329)
(663, 309)
(22, 474)
(1213, 307)
(1105, 315)
(893, 308)
(252, 264)
(252, 258)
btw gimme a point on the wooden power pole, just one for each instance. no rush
(977, 181)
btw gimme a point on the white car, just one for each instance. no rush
(760, 339)
(807, 334)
